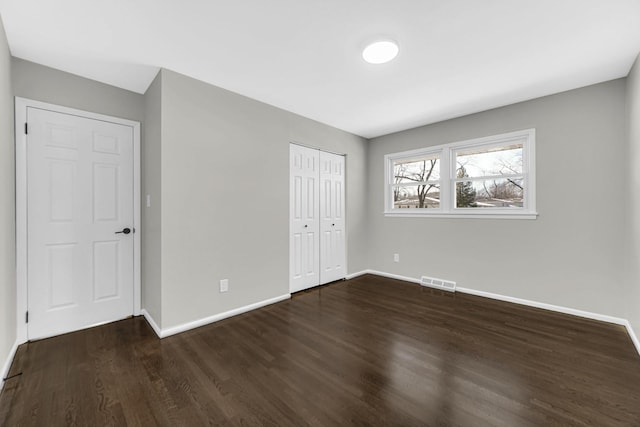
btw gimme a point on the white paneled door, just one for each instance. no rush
(317, 223)
(332, 240)
(80, 218)
(304, 224)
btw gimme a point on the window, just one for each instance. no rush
(417, 182)
(486, 177)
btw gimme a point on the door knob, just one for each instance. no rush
(124, 231)
(305, 226)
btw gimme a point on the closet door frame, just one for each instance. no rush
(295, 223)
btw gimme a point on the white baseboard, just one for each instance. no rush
(557, 308)
(163, 333)
(536, 304)
(205, 321)
(7, 364)
(383, 274)
(394, 276)
(357, 274)
(633, 336)
(560, 309)
(152, 322)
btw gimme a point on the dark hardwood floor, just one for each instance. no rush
(369, 351)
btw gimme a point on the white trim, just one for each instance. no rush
(7, 364)
(521, 301)
(152, 322)
(21, 220)
(137, 221)
(394, 276)
(21, 105)
(446, 153)
(545, 306)
(357, 274)
(560, 309)
(163, 333)
(515, 215)
(633, 335)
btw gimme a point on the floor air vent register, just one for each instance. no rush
(444, 285)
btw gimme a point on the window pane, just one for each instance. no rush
(478, 162)
(494, 193)
(416, 196)
(416, 170)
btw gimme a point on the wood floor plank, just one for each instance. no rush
(370, 351)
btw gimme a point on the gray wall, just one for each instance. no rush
(225, 197)
(151, 216)
(216, 167)
(573, 254)
(7, 207)
(633, 120)
(40, 83)
(197, 135)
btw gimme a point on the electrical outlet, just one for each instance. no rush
(396, 257)
(224, 285)
(148, 200)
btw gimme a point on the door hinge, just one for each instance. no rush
(26, 128)
(26, 320)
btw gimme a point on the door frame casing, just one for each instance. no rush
(21, 106)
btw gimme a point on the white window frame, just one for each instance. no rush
(448, 178)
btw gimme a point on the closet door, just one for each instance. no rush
(304, 252)
(332, 223)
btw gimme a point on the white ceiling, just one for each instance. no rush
(456, 56)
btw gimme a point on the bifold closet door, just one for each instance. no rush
(317, 223)
(332, 236)
(304, 262)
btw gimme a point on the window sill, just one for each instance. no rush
(471, 215)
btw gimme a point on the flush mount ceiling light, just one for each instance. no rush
(380, 52)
